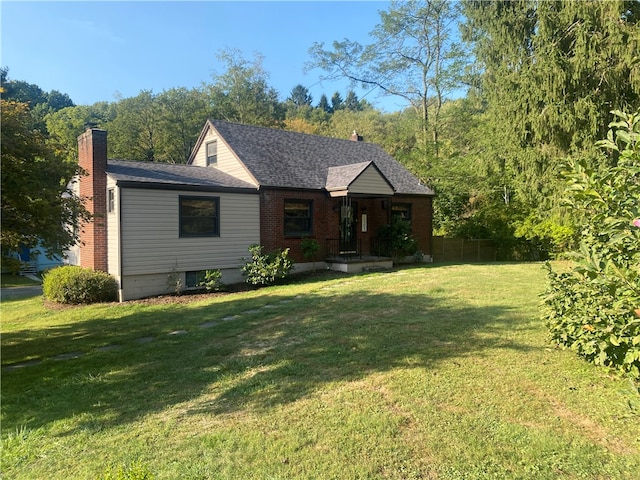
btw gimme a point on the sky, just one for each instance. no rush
(102, 51)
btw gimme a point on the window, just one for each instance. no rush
(199, 216)
(193, 279)
(212, 153)
(111, 200)
(297, 218)
(401, 210)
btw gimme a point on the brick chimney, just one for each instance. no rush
(355, 137)
(92, 158)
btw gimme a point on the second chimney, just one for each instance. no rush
(92, 158)
(355, 137)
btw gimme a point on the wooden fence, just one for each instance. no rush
(464, 251)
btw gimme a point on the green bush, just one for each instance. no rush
(397, 240)
(595, 308)
(266, 268)
(211, 281)
(75, 285)
(310, 247)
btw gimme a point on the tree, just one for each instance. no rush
(551, 72)
(336, 101)
(298, 105)
(134, 130)
(65, 125)
(371, 124)
(57, 100)
(413, 56)
(40, 103)
(242, 94)
(351, 102)
(182, 114)
(38, 208)
(300, 96)
(300, 125)
(324, 104)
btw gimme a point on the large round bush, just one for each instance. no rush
(74, 285)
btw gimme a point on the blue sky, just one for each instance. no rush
(96, 51)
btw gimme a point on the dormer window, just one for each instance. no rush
(212, 153)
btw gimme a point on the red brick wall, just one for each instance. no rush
(272, 221)
(326, 220)
(92, 158)
(421, 221)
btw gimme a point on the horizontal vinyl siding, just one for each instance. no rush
(200, 158)
(140, 286)
(370, 182)
(113, 232)
(150, 233)
(227, 161)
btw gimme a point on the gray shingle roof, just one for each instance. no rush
(171, 175)
(280, 158)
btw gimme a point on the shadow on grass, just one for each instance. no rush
(236, 354)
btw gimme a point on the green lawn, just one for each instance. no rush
(8, 280)
(436, 372)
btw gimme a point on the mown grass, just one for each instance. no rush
(430, 372)
(9, 280)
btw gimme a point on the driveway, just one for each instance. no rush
(11, 293)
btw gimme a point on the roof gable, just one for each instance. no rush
(359, 178)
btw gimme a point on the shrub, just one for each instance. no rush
(595, 308)
(310, 247)
(75, 285)
(211, 281)
(174, 282)
(397, 240)
(265, 269)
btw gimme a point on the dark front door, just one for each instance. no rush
(348, 227)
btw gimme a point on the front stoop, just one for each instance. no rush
(359, 265)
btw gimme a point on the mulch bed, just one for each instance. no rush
(196, 296)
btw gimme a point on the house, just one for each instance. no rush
(243, 185)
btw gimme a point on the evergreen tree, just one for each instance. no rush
(551, 73)
(336, 102)
(554, 70)
(351, 102)
(324, 105)
(300, 96)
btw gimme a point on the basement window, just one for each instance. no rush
(193, 279)
(199, 216)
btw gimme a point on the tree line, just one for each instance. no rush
(500, 96)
